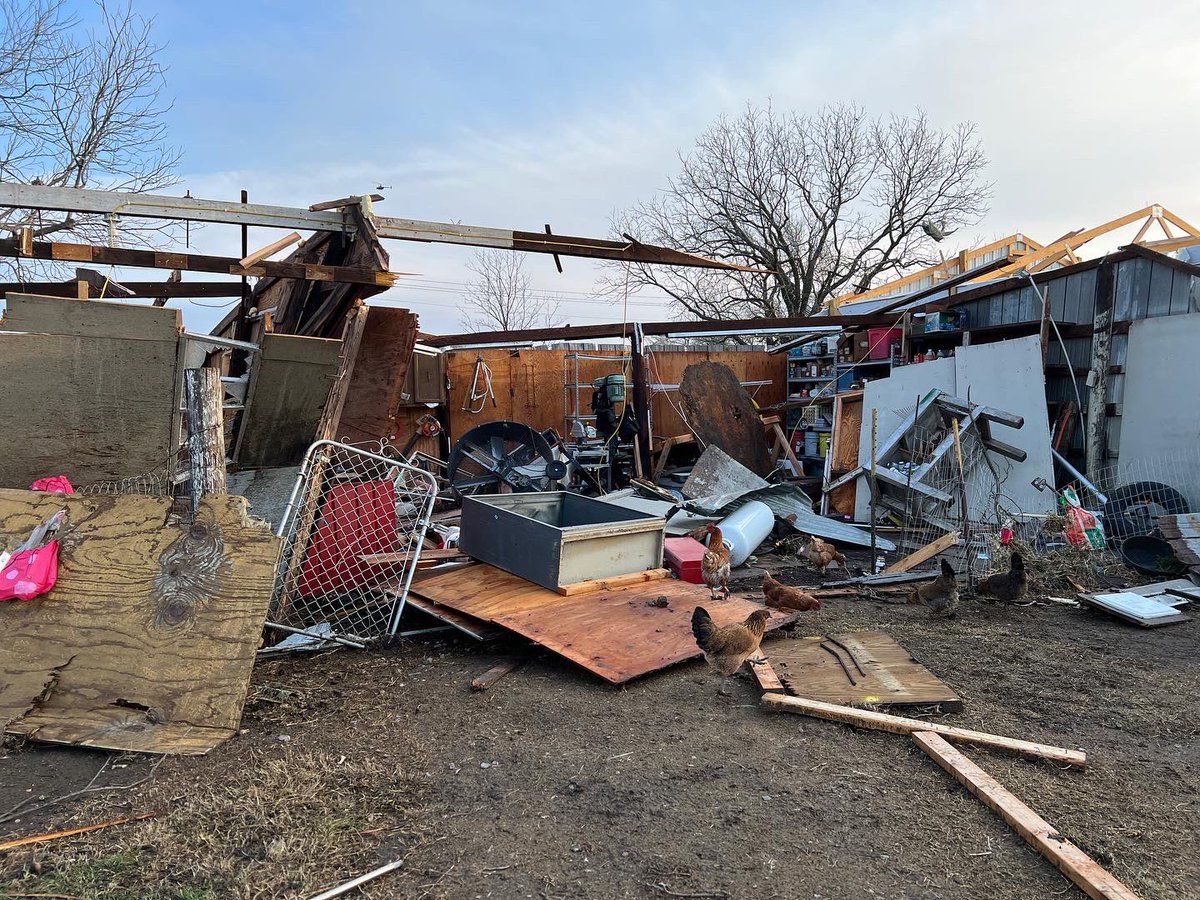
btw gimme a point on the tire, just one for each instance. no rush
(1133, 509)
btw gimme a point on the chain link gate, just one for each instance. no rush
(352, 534)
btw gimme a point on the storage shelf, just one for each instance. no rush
(866, 362)
(813, 378)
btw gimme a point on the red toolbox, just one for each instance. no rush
(683, 556)
(881, 341)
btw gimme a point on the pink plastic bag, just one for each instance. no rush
(30, 573)
(55, 484)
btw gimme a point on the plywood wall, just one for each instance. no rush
(529, 385)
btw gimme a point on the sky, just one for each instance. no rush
(513, 115)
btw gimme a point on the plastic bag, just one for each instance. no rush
(55, 484)
(30, 573)
(1082, 531)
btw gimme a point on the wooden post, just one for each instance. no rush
(203, 396)
(641, 397)
(331, 415)
(964, 520)
(1097, 399)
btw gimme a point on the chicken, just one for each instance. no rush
(940, 595)
(727, 649)
(822, 554)
(780, 596)
(714, 567)
(1011, 585)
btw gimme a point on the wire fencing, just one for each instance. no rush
(352, 536)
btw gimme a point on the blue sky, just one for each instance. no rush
(516, 114)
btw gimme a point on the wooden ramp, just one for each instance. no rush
(618, 634)
(884, 673)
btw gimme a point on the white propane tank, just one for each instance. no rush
(745, 528)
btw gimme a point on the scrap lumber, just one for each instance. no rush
(270, 250)
(612, 582)
(71, 832)
(764, 674)
(1085, 872)
(496, 672)
(618, 634)
(722, 413)
(203, 396)
(167, 289)
(343, 202)
(930, 550)
(331, 414)
(147, 641)
(865, 718)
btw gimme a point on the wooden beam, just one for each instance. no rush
(930, 550)
(204, 396)
(865, 718)
(621, 329)
(496, 672)
(616, 581)
(331, 413)
(343, 202)
(764, 674)
(194, 262)
(269, 250)
(144, 289)
(1085, 872)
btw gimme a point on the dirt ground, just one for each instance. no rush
(554, 785)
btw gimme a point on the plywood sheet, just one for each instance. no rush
(722, 414)
(618, 634)
(289, 384)
(373, 397)
(95, 402)
(147, 641)
(889, 677)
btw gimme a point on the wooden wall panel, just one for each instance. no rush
(373, 399)
(89, 390)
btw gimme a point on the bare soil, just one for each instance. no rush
(552, 784)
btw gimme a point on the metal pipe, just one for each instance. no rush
(312, 634)
(1103, 498)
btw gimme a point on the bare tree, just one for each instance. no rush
(500, 296)
(80, 107)
(829, 204)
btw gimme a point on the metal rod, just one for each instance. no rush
(337, 639)
(1103, 498)
(874, 490)
(360, 880)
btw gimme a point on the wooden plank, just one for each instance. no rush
(930, 550)
(147, 641)
(343, 202)
(619, 635)
(71, 832)
(155, 289)
(374, 396)
(496, 672)
(432, 555)
(289, 385)
(616, 581)
(331, 415)
(468, 625)
(203, 398)
(270, 250)
(1085, 872)
(865, 718)
(765, 675)
(93, 409)
(90, 318)
(885, 673)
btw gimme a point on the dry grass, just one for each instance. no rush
(1057, 572)
(259, 817)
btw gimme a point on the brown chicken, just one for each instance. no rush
(822, 554)
(727, 649)
(1011, 585)
(714, 567)
(781, 596)
(940, 595)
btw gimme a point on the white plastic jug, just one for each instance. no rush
(745, 528)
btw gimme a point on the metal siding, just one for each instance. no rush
(1160, 290)
(1181, 294)
(1071, 311)
(1116, 389)
(1008, 307)
(1123, 291)
(1141, 288)
(1087, 295)
(1029, 307)
(1056, 291)
(1120, 345)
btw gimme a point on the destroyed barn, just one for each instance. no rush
(302, 551)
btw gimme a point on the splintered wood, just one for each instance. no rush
(619, 634)
(147, 640)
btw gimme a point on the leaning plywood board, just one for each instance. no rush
(1087, 874)
(374, 396)
(147, 640)
(289, 384)
(884, 673)
(617, 634)
(88, 389)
